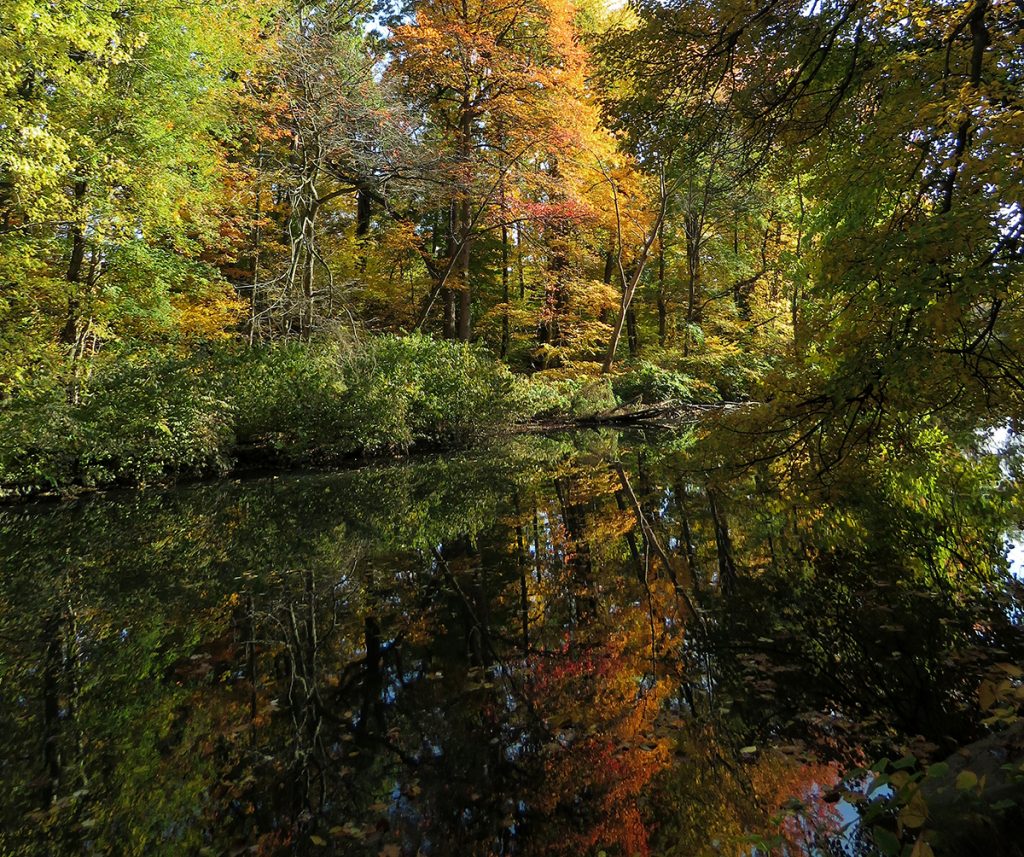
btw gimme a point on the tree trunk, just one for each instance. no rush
(629, 289)
(692, 227)
(464, 224)
(519, 256)
(257, 242)
(980, 40)
(632, 335)
(364, 210)
(69, 334)
(504, 283)
(555, 299)
(662, 306)
(448, 296)
(465, 325)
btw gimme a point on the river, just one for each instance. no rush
(576, 644)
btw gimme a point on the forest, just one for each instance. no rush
(512, 427)
(299, 231)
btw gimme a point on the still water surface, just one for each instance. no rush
(568, 645)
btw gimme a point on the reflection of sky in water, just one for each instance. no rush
(1016, 558)
(1006, 442)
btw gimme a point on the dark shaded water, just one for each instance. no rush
(565, 646)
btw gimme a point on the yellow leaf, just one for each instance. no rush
(966, 780)
(914, 814)
(922, 849)
(900, 779)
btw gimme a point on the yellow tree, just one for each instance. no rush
(112, 162)
(502, 93)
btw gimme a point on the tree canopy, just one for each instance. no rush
(817, 202)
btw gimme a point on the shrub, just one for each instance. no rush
(39, 440)
(415, 388)
(734, 372)
(551, 394)
(141, 414)
(146, 415)
(137, 416)
(592, 398)
(290, 397)
(650, 384)
(545, 398)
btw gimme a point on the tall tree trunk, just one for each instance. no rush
(692, 227)
(69, 334)
(464, 223)
(465, 323)
(629, 288)
(257, 241)
(504, 282)
(549, 330)
(662, 305)
(448, 296)
(306, 324)
(364, 211)
(519, 257)
(796, 295)
(632, 335)
(606, 278)
(980, 40)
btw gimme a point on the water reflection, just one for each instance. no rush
(571, 645)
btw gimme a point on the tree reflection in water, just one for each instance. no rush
(571, 645)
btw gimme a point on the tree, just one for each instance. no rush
(493, 81)
(899, 128)
(112, 132)
(330, 132)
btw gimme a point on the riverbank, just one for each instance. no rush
(140, 417)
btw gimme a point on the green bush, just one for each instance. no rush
(403, 390)
(329, 399)
(148, 415)
(650, 385)
(734, 374)
(135, 417)
(543, 398)
(566, 398)
(592, 398)
(290, 397)
(39, 440)
(139, 415)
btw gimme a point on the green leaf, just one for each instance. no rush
(886, 841)
(906, 762)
